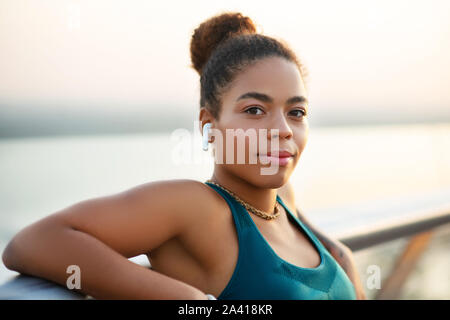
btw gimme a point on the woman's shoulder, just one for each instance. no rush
(186, 194)
(180, 187)
(187, 191)
(190, 197)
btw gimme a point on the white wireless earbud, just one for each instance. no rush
(205, 139)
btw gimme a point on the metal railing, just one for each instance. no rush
(419, 228)
(374, 235)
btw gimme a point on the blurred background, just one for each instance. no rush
(91, 92)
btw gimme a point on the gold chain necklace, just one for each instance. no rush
(249, 207)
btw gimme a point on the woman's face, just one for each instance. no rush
(269, 94)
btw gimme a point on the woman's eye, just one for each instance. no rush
(254, 110)
(298, 113)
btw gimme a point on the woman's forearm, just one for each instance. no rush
(46, 251)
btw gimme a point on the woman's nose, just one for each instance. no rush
(281, 125)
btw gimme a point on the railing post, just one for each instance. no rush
(392, 286)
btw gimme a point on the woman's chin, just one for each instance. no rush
(274, 181)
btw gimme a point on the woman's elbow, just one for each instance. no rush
(10, 255)
(23, 247)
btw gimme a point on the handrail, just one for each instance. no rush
(377, 234)
(369, 223)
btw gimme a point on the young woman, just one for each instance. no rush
(236, 236)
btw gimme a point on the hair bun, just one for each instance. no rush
(214, 31)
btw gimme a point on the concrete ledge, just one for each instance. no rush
(24, 287)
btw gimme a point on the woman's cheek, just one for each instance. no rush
(301, 138)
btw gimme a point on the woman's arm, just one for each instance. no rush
(99, 235)
(340, 252)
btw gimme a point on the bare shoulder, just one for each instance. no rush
(185, 196)
(190, 198)
(181, 188)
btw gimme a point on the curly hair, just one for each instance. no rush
(225, 45)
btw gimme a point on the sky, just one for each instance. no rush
(378, 57)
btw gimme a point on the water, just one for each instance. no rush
(340, 166)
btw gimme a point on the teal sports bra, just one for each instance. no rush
(260, 274)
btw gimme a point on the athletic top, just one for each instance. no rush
(261, 274)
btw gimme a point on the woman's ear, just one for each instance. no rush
(205, 117)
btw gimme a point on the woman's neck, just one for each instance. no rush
(261, 198)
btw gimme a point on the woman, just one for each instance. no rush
(237, 236)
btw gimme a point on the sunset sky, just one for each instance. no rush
(376, 55)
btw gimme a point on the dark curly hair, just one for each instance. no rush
(223, 46)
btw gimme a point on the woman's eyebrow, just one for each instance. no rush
(265, 98)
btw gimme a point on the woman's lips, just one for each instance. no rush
(281, 154)
(282, 159)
